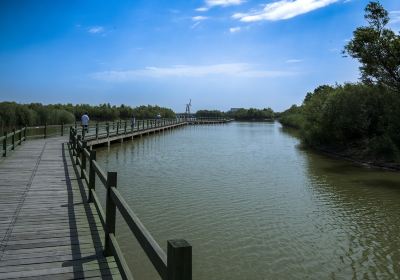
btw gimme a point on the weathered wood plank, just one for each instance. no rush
(47, 228)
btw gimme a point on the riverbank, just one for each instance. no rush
(353, 153)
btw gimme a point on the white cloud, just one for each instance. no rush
(199, 18)
(222, 3)
(234, 29)
(284, 9)
(202, 9)
(394, 16)
(194, 25)
(195, 71)
(294, 60)
(96, 29)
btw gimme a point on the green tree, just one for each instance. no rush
(377, 49)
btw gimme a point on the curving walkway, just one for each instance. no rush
(47, 229)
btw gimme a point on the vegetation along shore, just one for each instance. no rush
(358, 121)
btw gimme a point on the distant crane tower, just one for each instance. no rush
(187, 113)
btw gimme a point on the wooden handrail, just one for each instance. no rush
(99, 172)
(16, 136)
(146, 241)
(175, 265)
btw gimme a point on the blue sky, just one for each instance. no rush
(219, 53)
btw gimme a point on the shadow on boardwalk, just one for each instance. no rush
(48, 230)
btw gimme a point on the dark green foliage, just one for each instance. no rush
(17, 115)
(150, 112)
(242, 114)
(383, 147)
(377, 49)
(209, 114)
(252, 114)
(357, 117)
(360, 120)
(292, 117)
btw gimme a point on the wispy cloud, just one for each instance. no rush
(196, 71)
(394, 16)
(293, 60)
(234, 29)
(202, 9)
(284, 9)
(194, 25)
(222, 3)
(96, 29)
(199, 18)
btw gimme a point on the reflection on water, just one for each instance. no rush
(254, 206)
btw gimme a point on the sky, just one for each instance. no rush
(221, 54)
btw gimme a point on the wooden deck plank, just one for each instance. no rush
(47, 229)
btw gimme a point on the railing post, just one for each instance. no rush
(74, 146)
(25, 133)
(20, 137)
(5, 144)
(125, 128)
(92, 174)
(45, 130)
(13, 140)
(62, 129)
(71, 131)
(78, 149)
(143, 124)
(117, 128)
(97, 130)
(113, 125)
(147, 126)
(179, 260)
(110, 212)
(83, 158)
(108, 129)
(70, 134)
(83, 132)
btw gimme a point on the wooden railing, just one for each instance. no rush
(11, 140)
(175, 265)
(121, 127)
(45, 131)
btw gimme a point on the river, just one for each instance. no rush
(256, 206)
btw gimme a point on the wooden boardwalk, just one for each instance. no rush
(47, 228)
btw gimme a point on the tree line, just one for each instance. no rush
(13, 114)
(241, 114)
(360, 120)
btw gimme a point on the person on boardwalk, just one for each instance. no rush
(85, 122)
